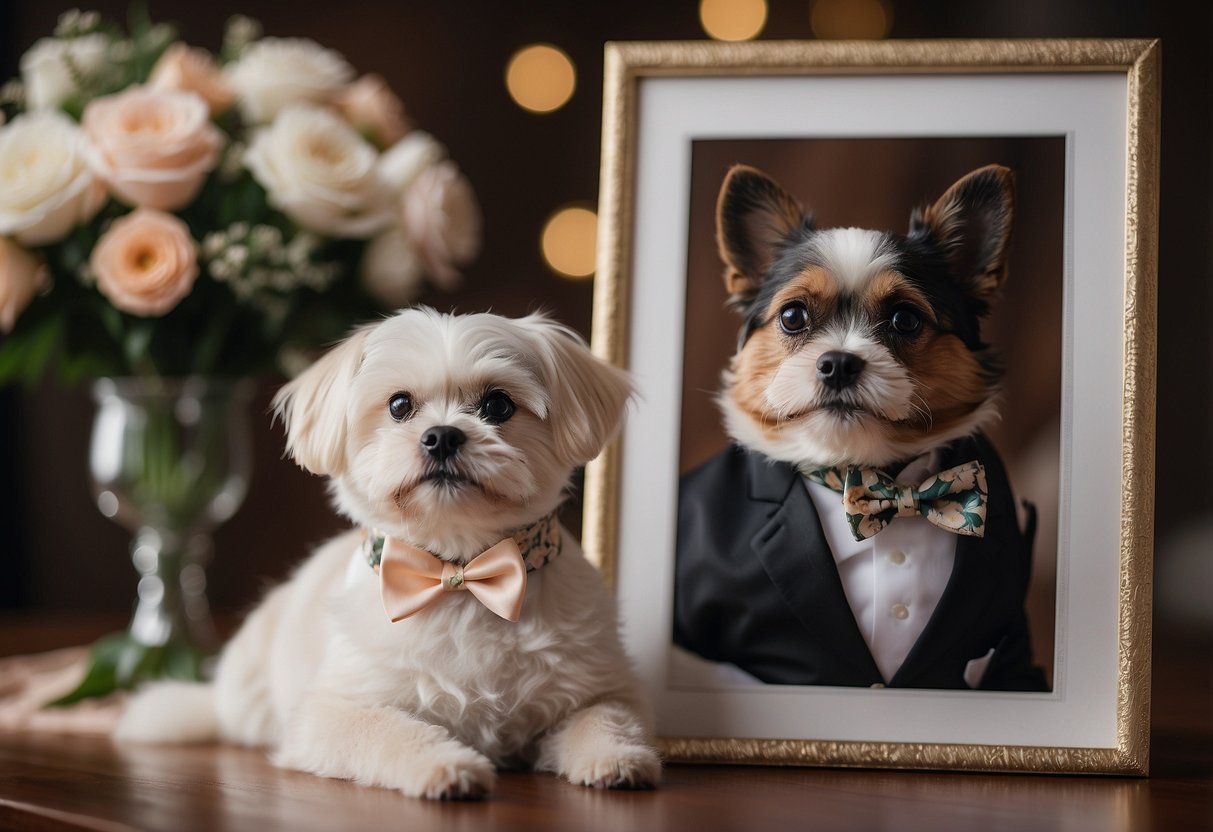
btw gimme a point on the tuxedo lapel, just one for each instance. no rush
(793, 551)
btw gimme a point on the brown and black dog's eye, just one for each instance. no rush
(905, 321)
(794, 317)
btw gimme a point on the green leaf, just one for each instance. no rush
(138, 21)
(111, 318)
(119, 662)
(135, 662)
(181, 661)
(210, 345)
(25, 353)
(100, 678)
(138, 337)
(40, 349)
(10, 358)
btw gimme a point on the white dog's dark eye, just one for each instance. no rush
(496, 407)
(400, 406)
(794, 317)
(905, 322)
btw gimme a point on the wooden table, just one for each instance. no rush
(52, 782)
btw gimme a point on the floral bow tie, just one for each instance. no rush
(954, 499)
(410, 579)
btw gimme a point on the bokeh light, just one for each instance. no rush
(570, 242)
(851, 19)
(541, 78)
(733, 19)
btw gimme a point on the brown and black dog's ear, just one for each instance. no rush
(753, 216)
(972, 222)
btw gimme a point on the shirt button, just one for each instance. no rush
(898, 557)
(878, 685)
(899, 611)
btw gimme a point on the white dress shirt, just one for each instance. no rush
(893, 580)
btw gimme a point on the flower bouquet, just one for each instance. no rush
(172, 221)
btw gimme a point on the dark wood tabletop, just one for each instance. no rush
(57, 782)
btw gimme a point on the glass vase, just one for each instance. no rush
(170, 460)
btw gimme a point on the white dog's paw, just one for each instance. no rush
(448, 771)
(616, 767)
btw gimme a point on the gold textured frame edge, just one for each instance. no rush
(627, 63)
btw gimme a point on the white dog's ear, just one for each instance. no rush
(314, 407)
(588, 395)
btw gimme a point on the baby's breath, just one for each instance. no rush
(160, 35)
(73, 23)
(121, 50)
(231, 165)
(261, 267)
(85, 274)
(239, 33)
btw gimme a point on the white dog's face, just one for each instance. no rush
(449, 430)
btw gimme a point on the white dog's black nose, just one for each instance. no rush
(838, 370)
(442, 442)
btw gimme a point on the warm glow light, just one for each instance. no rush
(540, 78)
(570, 242)
(733, 19)
(851, 19)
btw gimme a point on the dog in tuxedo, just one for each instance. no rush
(861, 529)
(456, 628)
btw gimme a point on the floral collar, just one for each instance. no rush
(540, 543)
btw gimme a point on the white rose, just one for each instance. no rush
(276, 72)
(404, 161)
(392, 269)
(318, 171)
(48, 187)
(44, 68)
(441, 217)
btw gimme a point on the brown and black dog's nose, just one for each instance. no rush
(839, 370)
(442, 442)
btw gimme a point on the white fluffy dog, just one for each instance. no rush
(448, 433)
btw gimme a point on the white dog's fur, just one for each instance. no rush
(431, 705)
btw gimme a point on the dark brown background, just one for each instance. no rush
(874, 183)
(447, 60)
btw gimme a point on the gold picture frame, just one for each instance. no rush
(1124, 76)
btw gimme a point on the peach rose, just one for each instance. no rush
(375, 111)
(152, 147)
(188, 69)
(146, 262)
(442, 218)
(21, 276)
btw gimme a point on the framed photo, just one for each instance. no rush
(861, 135)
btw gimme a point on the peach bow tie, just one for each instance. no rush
(410, 579)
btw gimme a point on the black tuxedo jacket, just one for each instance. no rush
(756, 584)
